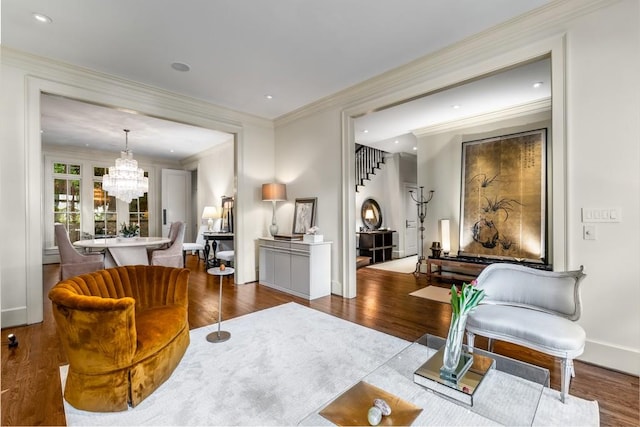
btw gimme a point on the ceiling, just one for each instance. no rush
(80, 125)
(295, 51)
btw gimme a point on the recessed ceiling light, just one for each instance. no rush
(455, 107)
(537, 84)
(269, 96)
(396, 141)
(365, 131)
(42, 18)
(415, 148)
(180, 66)
(171, 151)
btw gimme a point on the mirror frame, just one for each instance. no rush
(377, 212)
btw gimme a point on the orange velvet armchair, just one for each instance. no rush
(124, 331)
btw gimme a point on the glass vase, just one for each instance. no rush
(453, 345)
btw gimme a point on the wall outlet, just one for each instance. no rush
(589, 232)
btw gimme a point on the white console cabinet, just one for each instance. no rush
(299, 268)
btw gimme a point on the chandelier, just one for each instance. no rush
(125, 180)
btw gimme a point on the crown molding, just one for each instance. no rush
(542, 23)
(73, 75)
(481, 119)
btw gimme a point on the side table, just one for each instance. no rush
(219, 336)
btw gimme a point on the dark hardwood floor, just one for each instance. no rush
(32, 395)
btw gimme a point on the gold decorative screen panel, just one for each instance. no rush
(503, 197)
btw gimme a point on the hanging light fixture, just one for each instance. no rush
(125, 180)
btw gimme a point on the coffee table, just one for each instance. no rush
(509, 394)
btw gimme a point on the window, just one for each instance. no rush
(66, 198)
(105, 213)
(139, 214)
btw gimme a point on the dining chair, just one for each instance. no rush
(197, 247)
(72, 262)
(171, 256)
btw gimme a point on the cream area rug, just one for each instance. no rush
(434, 293)
(280, 367)
(401, 265)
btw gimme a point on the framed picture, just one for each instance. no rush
(503, 197)
(304, 215)
(227, 215)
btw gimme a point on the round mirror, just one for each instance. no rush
(371, 214)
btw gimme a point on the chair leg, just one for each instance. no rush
(490, 345)
(184, 257)
(471, 337)
(565, 380)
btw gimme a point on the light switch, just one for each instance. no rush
(601, 215)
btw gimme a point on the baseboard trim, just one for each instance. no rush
(609, 356)
(14, 317)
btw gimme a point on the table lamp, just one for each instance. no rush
(274, 192)
(369, 216)
(210, 213)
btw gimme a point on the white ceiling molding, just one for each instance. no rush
(509, 113)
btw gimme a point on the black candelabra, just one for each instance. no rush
(421, 204)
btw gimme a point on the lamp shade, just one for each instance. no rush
(368, 214)
(210, 212)
(444, 235)
(274, 192)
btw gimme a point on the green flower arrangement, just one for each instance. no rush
(129, 230)
(466, 299)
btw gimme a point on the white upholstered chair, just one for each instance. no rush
(73, 263)
(226, 256)
(533, 308)
(197, 247)
(171, 256)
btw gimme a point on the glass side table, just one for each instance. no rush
(219, 336)
(509, 394)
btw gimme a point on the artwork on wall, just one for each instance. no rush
(227, 215)
(503, 197)
(304, 215)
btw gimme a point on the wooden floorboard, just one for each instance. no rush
(30, 382)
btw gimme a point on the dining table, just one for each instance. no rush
(123, 250)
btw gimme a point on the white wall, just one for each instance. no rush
(215, 178)
(595, 47)
(307, 159)
(24, 77)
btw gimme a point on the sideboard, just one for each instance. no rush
(299, 268)
(377, 245)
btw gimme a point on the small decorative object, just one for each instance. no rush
(312, 236)
(13, 341)
(383, 405)
(222, 267)
(374, 416)
(436, 249)
(129, 231)
(462, 302)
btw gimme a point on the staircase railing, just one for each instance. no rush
(368, 159)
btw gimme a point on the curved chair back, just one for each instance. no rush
(73, 263)
(549, 291)
(171, 256)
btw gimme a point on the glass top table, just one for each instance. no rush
(508, 394)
